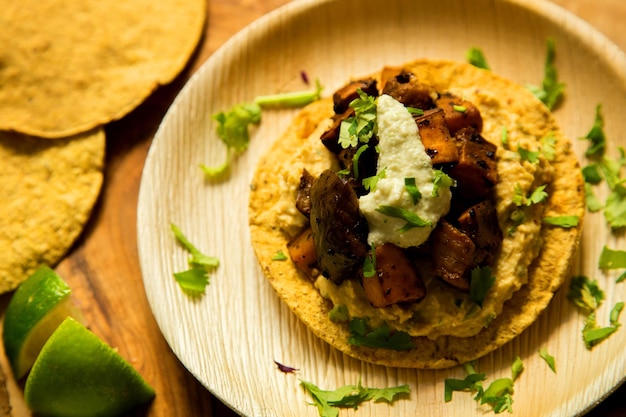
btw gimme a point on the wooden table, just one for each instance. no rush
(103, 267)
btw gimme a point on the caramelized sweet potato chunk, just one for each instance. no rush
(303, 254)
(476, 172)
(435, 136)
(344, 96)
(396, 279)
(457, 118)
(407, 89)
(452, 254)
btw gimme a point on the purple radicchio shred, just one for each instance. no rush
(284, 368)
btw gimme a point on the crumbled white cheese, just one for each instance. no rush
(401, 155)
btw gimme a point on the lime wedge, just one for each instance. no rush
(35, 310)
(77, 374)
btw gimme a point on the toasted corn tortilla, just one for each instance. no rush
(274, 219)
(47, 194)
(68, 66)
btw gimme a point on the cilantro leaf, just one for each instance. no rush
(481, 281)
(198, 259)
(548, 144)
(292, 99)
(537, 196)
(441, 179)
(516, 368)
(380, 337)
(355, 160)
(476, 58)
(279, 256)
(499, 395)
(232, 129)
(592, 334)
(469, 383)
(349, 396)
(562, 221)
(526, 155)
(551, 89)
(411, 188)
(591, 173)
(585, 293)
(543, 354)
(592, 201)
(615, 208)
(339, 314)
(369, 265)
(612, 259)
(193, 280)
(596, 135)
(412, 219)
(362, 126)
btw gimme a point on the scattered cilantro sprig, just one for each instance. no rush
(361, 334)
(195, 279)
(328, 403)
(233, 125)
(412, 219)
(549, 359)
(362, 126)
(476, 57)
(498, 395)
(551, 89)
(613, 259)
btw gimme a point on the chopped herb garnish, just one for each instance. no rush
(537, 196)
(585, 293)
(526, 155)
(381, 337)
(339, 314)
(596, 135)
(504, 137)
(517, 368)
(481, 281)
(441, 180)
(279, 256)
(460, 109)
(411, 188)
(284, 368)
(417, 112)
(232, 129)
(562, 221)
(194, 279)
(551, 89)
(549, 359)
(369, 265)
(362, 126)
(412, 219)
(476, 58)
(591, 173)
(593, 203)
(499, 393)
(612, 259)
(328, 403)
(370, 183)
(291, 99)
(355, 160)
(592, 334)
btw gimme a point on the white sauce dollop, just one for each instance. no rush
(401, 155)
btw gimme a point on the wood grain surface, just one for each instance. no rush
(103, 267)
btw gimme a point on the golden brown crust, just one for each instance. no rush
(546, 273)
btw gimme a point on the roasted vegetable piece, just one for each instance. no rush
(433, 130)
(476, 173)
(480, 223)
(407, 89)
(339, 229)
(330, 138)
(303, 254)
(396, 279)
(346, 94)
(453, 254)
(303, 196)
(459, 113)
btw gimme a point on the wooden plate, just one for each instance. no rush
(230, 337)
